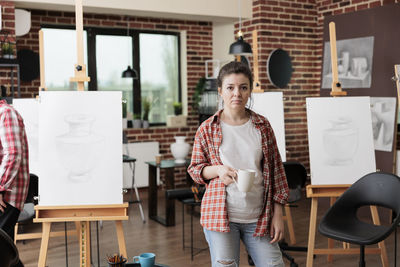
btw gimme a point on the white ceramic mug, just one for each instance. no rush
(245, 179)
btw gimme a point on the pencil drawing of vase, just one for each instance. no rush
(340, 142)
(79, 149)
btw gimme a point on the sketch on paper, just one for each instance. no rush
(354, 63)
(340, 139)
(270, 105)
(80, 148)
(383, 113)
(29, 110)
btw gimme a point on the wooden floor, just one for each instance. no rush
(166, 242)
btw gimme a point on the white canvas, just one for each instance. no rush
(270, 105)
(383, 112)
(29, 110)
(80, 137)
(340, 139)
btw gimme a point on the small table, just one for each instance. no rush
(169, 167)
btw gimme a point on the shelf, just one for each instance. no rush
(13, 61)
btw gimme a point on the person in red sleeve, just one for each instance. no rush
(237, 138)
(14, 167)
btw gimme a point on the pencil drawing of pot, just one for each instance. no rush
(80, 148)
(340, 142)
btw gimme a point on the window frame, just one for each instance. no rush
(134, 33)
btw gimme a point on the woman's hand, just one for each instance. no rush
(226, 174)
(277, 228)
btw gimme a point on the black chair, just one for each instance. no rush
(8, 251)
(341, 223)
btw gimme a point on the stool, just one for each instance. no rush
(131, 161)
(192, 203)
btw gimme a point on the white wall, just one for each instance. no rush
(223, 37)
(208, 10)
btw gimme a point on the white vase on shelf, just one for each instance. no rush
(180, 149)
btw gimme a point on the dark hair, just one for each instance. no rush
(237, 68)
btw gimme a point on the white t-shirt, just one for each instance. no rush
(241, 149)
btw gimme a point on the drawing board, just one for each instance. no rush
(270, 105)
(28, 108)
(383, 112)
(80, 148)
(341, 143)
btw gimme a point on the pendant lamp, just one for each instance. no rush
(129, 72)
(240, 47)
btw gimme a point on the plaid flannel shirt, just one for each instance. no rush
(14, 166)
(214, 215)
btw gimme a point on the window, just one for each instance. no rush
(108, 49)
(159, 77)
(60, 56)
(108, 52)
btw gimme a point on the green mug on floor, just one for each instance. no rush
(145, 259)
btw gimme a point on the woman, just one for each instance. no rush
(237, 138)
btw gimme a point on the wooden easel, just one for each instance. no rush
(333, 191)
(256, 83)
(336, 86)
(82, 215)
(397, 79)
(80, 68)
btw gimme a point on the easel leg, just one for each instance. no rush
(289, 221)
(84, 244)
(15, 233)
(330, 241)
(375, 219)
(78, 229)
(44, 244)
(121, 239)
(311, 231)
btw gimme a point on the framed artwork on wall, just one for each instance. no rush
(354, 63)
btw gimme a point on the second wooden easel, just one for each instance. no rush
(333, 191)
(82, 215)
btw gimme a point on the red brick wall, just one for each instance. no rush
(199, 49)
(8, 25)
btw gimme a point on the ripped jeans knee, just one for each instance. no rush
(226, 263)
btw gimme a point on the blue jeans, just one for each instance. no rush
(225, 247)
